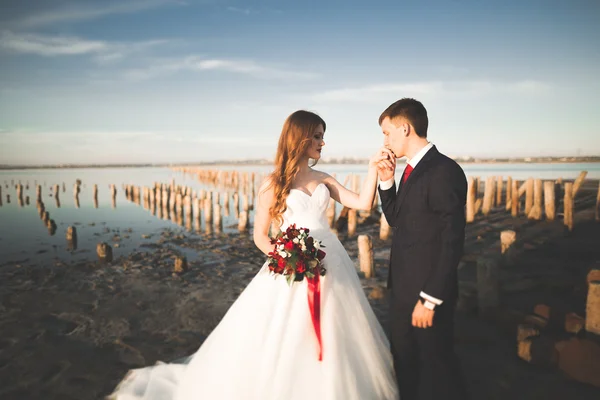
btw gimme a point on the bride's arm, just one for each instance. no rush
(262, 218)
(364, 199)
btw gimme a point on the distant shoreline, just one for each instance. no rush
(543, 160)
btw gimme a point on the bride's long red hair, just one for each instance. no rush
(294, 141)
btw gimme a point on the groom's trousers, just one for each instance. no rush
(426, 366)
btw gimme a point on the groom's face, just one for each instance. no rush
(394, 136)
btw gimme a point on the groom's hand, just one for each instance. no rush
(422, 317)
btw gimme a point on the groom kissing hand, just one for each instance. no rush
(427, 214)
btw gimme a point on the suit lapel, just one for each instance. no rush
(419, 169)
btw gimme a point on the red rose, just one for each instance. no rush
(300, 267)
(281, 262)
(289, 245)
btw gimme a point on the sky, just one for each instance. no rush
(161, 81)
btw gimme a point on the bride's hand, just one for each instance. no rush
(384, 158)
(385, 162)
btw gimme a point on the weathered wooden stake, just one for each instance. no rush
(568, 205)
(243, 221)
(592, 310)
(471, 195)
(351, 222)
(384, 228)
(515, 199)
(218, 218)
(578, 182)
(509, 193)
(104, 252)
(365, 255)
(499, 185)
(529, 185)
(549, 200)
(488, 196)
(536, 210)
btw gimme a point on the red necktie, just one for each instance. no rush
(406, 172)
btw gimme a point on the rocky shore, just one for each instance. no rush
(72, 331)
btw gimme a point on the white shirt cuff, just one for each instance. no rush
(385, 185)
(431, 299)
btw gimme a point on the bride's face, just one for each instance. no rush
(316, 144)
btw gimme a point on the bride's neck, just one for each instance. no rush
(304, 168)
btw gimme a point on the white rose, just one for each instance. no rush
(283, 254)
(317, 244)
(295, 240)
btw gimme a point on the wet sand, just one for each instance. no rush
(72, 331)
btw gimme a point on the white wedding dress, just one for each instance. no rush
(265, 347)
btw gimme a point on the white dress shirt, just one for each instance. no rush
(430, 302)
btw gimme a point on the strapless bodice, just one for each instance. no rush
(307, 211)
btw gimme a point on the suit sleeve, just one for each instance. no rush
(447, 198)
(387, 193)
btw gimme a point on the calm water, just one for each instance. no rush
(24, 237)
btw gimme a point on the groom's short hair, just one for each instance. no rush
(411, 109)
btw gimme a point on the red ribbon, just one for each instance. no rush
(314, 304)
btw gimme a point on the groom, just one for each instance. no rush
(428, 217)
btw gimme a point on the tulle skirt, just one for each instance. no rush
(265, 347)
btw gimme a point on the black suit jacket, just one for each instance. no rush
(428, 219)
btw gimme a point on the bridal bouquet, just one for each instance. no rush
(296, 255)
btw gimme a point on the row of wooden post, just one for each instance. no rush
(176, 202)
(534, 191)
(56, 194)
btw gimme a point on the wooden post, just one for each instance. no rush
(488, 291)
(351, 222)
(568, 205)
(104, 252)
(365, 255)
(243, 221)
(578, 182)
(384, 228)
(499, 184)
(526, 330)
(515, 199)
(72, 238)
(488, 196)
(508, 193)
(549, 200)
(536, 210)
(38, 192)
(592, 310)
(226, 203)
(236, 204)
(507, 238)
(471, 195)
(51, 225)
(529, 186)
(218, 219)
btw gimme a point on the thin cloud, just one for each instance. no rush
(245, 11)
(76, 12)
(431, 89)
(50, 46)
(200, 64)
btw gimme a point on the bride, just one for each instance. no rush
(266, 347)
